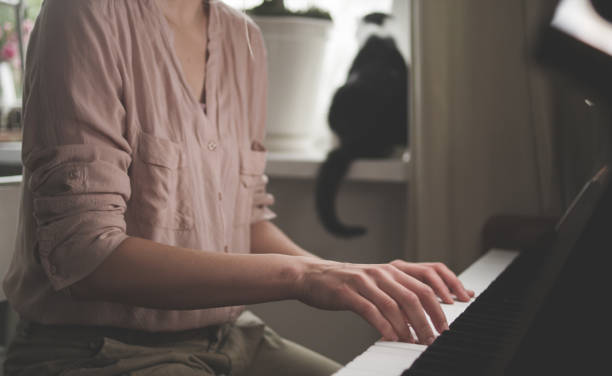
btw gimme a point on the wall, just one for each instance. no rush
(10, 192)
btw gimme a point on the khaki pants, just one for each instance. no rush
(245, 347)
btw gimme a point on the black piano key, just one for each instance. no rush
(469, 341)
(476, 339)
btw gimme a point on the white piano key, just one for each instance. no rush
(480, 274)
(401, 345)
(452, 311)
(386, 359)
(357, 372)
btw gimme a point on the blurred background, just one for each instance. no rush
(491, 132)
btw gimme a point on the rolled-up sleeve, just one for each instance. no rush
(257, 112)
(75, 150)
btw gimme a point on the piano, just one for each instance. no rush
(537, 311)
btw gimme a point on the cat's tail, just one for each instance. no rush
(330, 175)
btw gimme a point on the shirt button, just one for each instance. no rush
(220, 195)
(212, 146)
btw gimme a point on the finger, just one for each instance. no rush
(453, 282)
(408, 301)
(427, 299)
(373, 316)
(427, 274)
(411, 305)
(431, 277)
(389, 308)
(413, 336)
(418, 321)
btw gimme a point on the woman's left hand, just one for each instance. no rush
(439, 277)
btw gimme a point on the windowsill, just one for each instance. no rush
(306, 165)
(294, 165)
(10, 152)
(10, 180)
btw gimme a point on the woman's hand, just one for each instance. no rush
(389, 296)
(439, 277)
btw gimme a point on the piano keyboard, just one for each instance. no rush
(392, 358)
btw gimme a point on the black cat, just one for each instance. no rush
(368, 114)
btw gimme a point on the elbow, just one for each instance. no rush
(88, 279)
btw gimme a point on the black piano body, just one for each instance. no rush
(546, 313)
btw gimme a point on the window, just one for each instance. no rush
(341, 48)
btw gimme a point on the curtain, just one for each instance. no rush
(492, 132)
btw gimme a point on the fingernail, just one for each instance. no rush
(430, 340)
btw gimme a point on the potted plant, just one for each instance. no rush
(296, 43)
(15, 31)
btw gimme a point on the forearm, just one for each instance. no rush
(266, 237)
(148, 274)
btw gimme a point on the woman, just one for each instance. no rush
(144, 223)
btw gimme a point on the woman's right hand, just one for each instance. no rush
(388, 298)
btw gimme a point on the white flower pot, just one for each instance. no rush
(8, 96)
(296, 47)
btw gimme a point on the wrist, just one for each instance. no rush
(290, 273)
(309, 269)
(302, 267)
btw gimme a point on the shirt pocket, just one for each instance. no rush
(161, 187)
(252, 166)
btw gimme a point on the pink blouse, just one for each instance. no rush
(116, 146)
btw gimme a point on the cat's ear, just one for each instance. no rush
(378, 24)
(377, 18)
